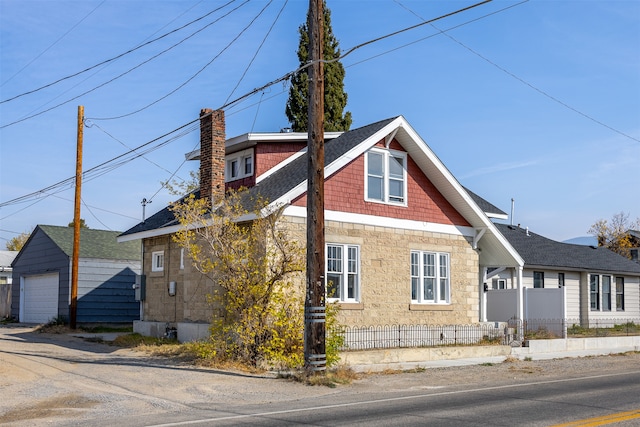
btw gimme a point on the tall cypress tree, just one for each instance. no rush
(335, 98)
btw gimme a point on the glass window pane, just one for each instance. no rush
(248, 165)
(443, 289)
(414, 288)
(375, 188)
(429, 288)
(396, 190)
(334, 284)
(396, 167)
(375, 164)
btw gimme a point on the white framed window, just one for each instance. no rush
(181, 258)
(619, 293)
(430, 278)
(386, 176)
(594, 292)
(239, 165)
(157, 261)
(499, 284)
(342, 272)
(606, 293)
(538, 279)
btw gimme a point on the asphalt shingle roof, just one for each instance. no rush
(288, 177)
(537, 250)
(93, 243)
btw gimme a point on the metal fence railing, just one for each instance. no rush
(405, 336)
(513, 333)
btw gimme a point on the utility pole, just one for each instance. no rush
(315, 327)
(73, 309)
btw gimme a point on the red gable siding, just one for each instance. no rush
(344, 191)
(270, 154)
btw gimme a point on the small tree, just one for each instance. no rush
(335, 98)
(248, 254)
(83, 224)
(16, 243)
(614, 234)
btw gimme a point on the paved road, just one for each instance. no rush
(64, 381)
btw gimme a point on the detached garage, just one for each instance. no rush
(41, 289)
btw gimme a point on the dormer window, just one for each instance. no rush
(239, 165)
(386, 179)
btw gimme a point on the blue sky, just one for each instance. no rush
(537, 101)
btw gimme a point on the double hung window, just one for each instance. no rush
(430, 278)
(538, 279)
(343, 272)
(386, 179)
(619, 293)
(594, 291)
(606, 293)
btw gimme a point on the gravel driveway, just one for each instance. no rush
(58, 379)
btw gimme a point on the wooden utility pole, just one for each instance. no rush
(73, 309)
(315, 327)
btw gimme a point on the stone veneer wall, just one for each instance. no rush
(190, 302)
(385, 277)
(385, 296)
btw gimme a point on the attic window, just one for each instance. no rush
(386, 176)
(238, 165)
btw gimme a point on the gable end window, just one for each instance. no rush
(238, 165)
(430, 278)
(157, 261)
(386, 176)
(343, 272)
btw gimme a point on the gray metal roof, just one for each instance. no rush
(540, 251)
(93, 243)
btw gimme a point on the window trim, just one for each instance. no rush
(387, 154)
(345, 273)
(157, 261)
(419, 279)
(240, 159)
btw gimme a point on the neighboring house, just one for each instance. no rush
(404, 240)
(106, 273)
(595, 283)
(6, 258)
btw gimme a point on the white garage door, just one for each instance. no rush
(39, 298)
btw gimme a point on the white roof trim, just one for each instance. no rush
(383, 221)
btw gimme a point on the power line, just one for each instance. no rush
(521, 80)
(117, 56)
(50, 46)
(194, 75)
(127, 72)
(109, 165)
(264, 39)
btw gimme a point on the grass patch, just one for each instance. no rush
(106, 329)
(330, 378)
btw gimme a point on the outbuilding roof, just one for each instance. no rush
(100, 244)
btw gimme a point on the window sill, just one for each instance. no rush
(351, 305)
(430, 307)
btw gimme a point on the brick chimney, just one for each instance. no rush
(212, 137)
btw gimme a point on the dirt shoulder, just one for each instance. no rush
(58, 379)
